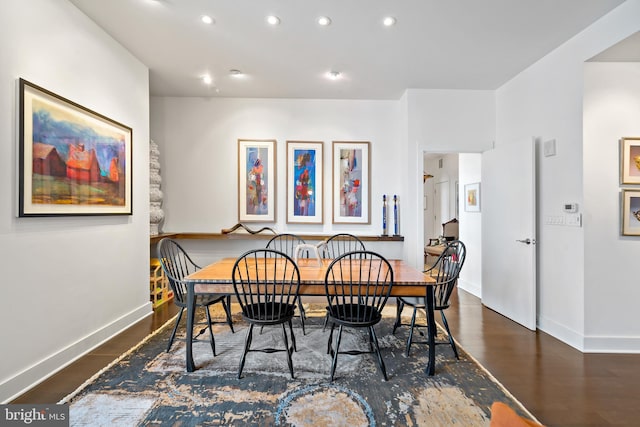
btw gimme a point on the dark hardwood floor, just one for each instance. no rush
(556, 383)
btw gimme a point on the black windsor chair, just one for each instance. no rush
(357, 286)
(287, 243)
(342, 243)
(337, 245)
(445, 270)
(177, 264)
(266, 283)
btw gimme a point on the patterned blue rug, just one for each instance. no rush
(148, 386)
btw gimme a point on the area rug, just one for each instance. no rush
(148, 386)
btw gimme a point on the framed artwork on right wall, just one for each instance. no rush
(630, 161)
(630, 212)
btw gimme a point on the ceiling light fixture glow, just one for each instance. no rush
(207, 79)
(273, 20)
(389, 21)
(236, 73)
(324, 21)
(334, 75)
(207, 19)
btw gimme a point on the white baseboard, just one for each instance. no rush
(35, 374)
(589, 344)
(561, 332)
(593, 344)
(472, 288)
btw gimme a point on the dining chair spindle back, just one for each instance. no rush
(176, 265)
(357, 286)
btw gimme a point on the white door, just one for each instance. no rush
(509, 231)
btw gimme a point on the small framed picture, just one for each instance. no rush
(630, 161)
(630, 212)
(472, 197)
(256, 180)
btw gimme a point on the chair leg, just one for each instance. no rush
(293, 337)
(335, 353)
(288, 350)
(247, 344)
(451, 341)
(330, 341)
(413, 324)
(302, 315)
(399, 308)
(227, 310)
(211, 339)
(175, 328)
(380, 361)
(371, 338)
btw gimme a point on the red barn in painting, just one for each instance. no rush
(47, 161)
(82, 165)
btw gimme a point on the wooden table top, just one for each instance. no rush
(216, 278)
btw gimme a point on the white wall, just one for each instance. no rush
(611, 111)
(471, 225)
(198, 155)
(68, 283)
(452, 121)
(546, 101)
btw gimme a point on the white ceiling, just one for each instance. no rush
(436, 44)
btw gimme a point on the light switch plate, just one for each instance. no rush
(550, 148)
(573, 220)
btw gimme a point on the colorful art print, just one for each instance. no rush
(630, 212)
(72, 161)
(630, 161)
(351, 183)
(304, 182)
(472, 197)
(256, 180)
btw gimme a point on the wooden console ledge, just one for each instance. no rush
(262, 236)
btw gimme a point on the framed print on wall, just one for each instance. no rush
(304, 182)
(630, 161)
(472, 197)
(72, 160)
(256, 180)
(630, 212)
(351, 183)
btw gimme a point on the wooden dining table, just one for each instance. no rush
(216, 278)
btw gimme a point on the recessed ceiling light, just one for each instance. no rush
(389, 21)
(334, 75)
(207, 79)
(236, 73)
(273, 20)
(207, 19)
(324, 21)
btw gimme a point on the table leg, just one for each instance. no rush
(191, 308)
(431, 366)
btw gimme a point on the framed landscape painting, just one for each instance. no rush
(256, 180)
(351, 183)
(630, 161)
(304, 182)
(72, 161)
(630, 212)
